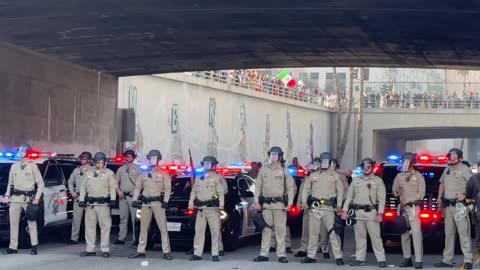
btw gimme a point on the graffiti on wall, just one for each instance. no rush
(309, 152)
(212, 145)
(176, 142)
(289, 154)
(242, 145)
(266, 142)
(132, 104)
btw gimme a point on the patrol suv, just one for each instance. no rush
(431, 167)
(236, 218)
(57, 204)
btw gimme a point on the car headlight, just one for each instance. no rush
(138, 214)
(223, 214)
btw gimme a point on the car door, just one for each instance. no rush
(67, 169)
(246, 188)
(55, 196)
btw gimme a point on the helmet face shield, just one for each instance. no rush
(99, 164)
(324, 164)
(274, 156)
(454, 158)
(367, 168)
(22, 151)
(207, 165)
(406, 164)
(153, 160)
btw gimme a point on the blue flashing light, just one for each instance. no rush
(393, 158)
(9, 154)
(144, 167)
(240, 164)
(199, 171)
(292, 172)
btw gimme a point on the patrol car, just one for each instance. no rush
(236, 218)
(431, 167)
(57, 203)
(294, 217)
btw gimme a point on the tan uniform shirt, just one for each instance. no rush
(409, 186)
(159, 182)
(272, 182)
(454, 179)
(26, 179)
(358, 192)
(126, 177)
(204, 190)
(76, 178)
(324, 185)
(103, 185)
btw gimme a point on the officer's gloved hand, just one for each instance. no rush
(164, 205)
(111, 203)
(135, 204)
(82, 204)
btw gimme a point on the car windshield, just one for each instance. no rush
(181, 187)
(431, 174)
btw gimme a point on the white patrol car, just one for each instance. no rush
(57, 203)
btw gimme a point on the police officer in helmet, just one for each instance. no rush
(156, 187)
(409, 187)
(208, 198)
(24, 192)
(98, 194)
(324, 189)
(274, 194)
(74, 183)
(366, 200)
(126, 176)
(451, 191)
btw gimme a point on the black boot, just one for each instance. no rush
(301, 254)
(308, 260)
(137, 255)
(167, 256)
(418, 265)
(358, 263)
(467, 266)
(406, 263)
(215, 259)
(442, 265)
(34, 250)
(221, 253)
(86, 253)
(382, 264)
(282, 260)
(72, 242)
(106, 254)
(9, 251)
(289, 250)
(339, 262)
(326, 255)
(260, 259)
(195, 258)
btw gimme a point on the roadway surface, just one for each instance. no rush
(53, 254)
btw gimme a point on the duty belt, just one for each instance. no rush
(147, 199)
(17, 192)
(364, 207)
(91, 200)
(272, 200)
(452, 202)
(414, 203)
(328, 202)
(209, 203)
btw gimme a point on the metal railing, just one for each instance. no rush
(314, 97)
(266, 87)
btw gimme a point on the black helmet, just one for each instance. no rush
(212, 159)
(33, 212)
(456, 151)
(130, 152)
(154, 153)
(335, 160)
(367, 160)
(466, 163)
(100, 156)
(326, 155)
(410, 156)
(277, 150)
(86, 155)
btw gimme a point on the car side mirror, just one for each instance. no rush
(247, 194)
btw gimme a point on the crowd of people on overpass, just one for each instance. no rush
(255, 80)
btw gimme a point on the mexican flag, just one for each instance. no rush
(286, 78)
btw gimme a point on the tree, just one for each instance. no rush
(360, 118)
(346, 131)
(339, 109)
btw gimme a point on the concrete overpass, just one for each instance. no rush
(387, 130)
(125, 37)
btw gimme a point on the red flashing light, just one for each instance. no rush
(33, 155)
(118, 159)
(236, 170)
(190, 212)
(425, 158)
(436, 217)
(163, 167)
(389, 214)
(442, 159)
(301, 172)
(377, 170)
(172, 167)
(424, 215)
(294, 211)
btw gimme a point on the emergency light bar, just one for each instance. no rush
(297, 171)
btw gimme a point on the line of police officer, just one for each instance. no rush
(96, 189)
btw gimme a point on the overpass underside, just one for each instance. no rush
(390, 141)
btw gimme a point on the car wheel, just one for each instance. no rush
(231, 233)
